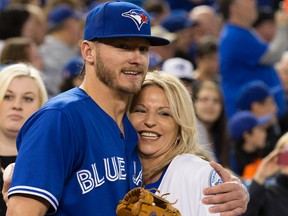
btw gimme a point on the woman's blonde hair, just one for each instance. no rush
(182, 110)
(10, 72)
(282, 142)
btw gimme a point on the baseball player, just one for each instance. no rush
(77, 154)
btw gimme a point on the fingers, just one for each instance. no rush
(5, 189)
(233, 207)
(235, 212)
(223, 173)
(7, 178)
(228, 209)
(230, 197)
(224, 193)
(272, 155)
(231, 186)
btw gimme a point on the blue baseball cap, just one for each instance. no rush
(73, 67)
(61, 13)
(120, 19)
(244, 121)
(178, 20)
(255, 91)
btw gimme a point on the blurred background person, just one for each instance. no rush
(179, 23)
(208, 20)
(40, 22)
(207, 60)
(157, 10)
(265, 24)
(77, 5)
(255, 96)
(34, 2)
(60, 45)
(22, 92)
(182, 69)
(188, 4)
(16, 21)
(212, 121)
(21, 49)
(71, 73)
(270, 197)
(273, 4)
(282, 70)
(248, 135)
(244, 56)
(28, 20)
(159, 54)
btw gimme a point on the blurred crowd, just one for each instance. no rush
(232, 55)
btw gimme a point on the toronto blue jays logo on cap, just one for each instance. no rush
(138, 16)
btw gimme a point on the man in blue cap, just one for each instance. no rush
(71, 74)
(77, 155)
(255, 96)
(248, 134)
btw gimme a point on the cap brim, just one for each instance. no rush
(153, 40)
(158, 41)
(264, 120)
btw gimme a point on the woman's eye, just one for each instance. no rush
(28, 99)
(8, 97)
(139, 110)
(164, 114)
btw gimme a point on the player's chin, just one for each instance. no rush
(132, 89)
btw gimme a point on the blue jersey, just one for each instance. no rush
(73, 154)
(240, 53)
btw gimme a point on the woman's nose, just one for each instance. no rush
(17, 104)
(150, 121)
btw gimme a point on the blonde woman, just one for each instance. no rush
(173, 161)
(22, 92)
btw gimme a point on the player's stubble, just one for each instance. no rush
(109, 77)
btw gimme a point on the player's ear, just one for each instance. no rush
(87, 51)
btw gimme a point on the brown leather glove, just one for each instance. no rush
(141, 202)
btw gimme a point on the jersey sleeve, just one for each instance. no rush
(46, 149)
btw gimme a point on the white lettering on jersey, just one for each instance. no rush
(121, 164)
(85, 180)
(114, 170)
(98, 181)
(109, 176)
(137, 178)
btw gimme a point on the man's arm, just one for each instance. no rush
(21, 204)
(27, 205)
(229, 198)
(279, 44)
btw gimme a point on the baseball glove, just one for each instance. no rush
(142, 202)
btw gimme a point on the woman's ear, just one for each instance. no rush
(177, 139)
